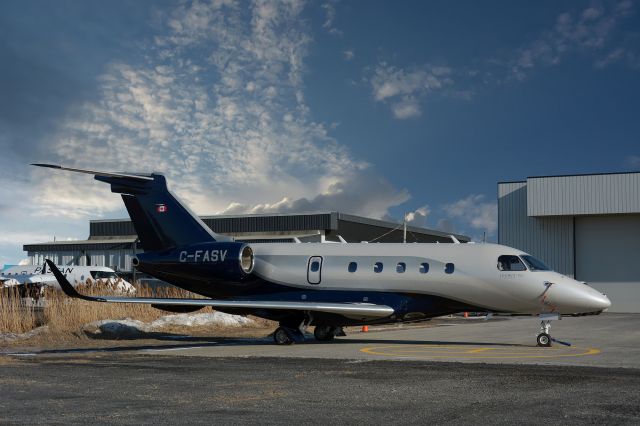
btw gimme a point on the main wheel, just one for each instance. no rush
(544, 340)
(281, 337)
(324, 333)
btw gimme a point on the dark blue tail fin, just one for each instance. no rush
(159, 218)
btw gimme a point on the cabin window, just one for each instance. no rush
(377, 268)
(424, 268)
(510, 263)
(315, 266)
(401, 267)
(101, 275)
(353, 266)
(449, 268)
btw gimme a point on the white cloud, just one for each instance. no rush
(419, 216)
(445, 225)
(610, 58)
(402, 89)
(348, 54)
(587, 31)
(26, 236)
(362, 194)
(407, 107)
(476, 212)
(218, 106)
(330, 16)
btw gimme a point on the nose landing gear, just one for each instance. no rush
(544, 339)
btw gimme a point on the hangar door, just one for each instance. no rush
(608, 257)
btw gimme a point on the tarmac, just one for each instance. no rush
(609, 340)
(463, 371)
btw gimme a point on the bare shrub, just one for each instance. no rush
(15, 315)
(66, 314)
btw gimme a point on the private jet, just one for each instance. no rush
(42, 276)
(330, 286)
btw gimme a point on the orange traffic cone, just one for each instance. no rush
(365, 328)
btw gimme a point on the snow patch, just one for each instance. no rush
(130, 328)
(10, 337)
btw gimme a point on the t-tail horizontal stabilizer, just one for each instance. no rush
(160, 219)
(135, 176)
(351, 310)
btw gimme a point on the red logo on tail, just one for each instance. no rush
(161, 208)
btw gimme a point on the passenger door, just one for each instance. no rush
(314, 270)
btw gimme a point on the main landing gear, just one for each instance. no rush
(286, 335)
(326, 333)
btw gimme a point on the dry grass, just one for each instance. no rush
(65, 316)
(15, 317)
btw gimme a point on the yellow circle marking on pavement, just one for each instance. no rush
(460, 351)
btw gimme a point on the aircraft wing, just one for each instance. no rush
(28, 279)
(355, 310)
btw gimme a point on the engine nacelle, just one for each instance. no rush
(226, 262)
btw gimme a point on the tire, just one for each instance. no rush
(281, 337)
(544, 340)
(324, 333)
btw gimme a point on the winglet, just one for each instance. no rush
(66, 286)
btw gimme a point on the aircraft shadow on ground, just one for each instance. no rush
(181, 341)
(132, 333)
(384, 342)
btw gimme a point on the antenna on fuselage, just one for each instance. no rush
(404, 227)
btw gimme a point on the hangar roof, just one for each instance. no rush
(119, 233)
(574, 195)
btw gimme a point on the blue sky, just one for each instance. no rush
(372, 108)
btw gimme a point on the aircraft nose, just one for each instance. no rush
(601, 301)
(576, 297)
(592, 300)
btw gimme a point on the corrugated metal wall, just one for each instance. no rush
(107, 228)
(582, 195)
(547, 238)
(222, 224)
(303, 222)
(118, 260)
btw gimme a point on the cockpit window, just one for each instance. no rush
(103, 275)
(534, 264)
(510, 263)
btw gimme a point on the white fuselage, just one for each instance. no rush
(32, 274)
(474, 276)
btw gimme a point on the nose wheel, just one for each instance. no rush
(544, 338)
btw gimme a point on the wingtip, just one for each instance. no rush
(51, 166)
(65, 285)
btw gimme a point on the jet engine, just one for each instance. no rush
(215, 262)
